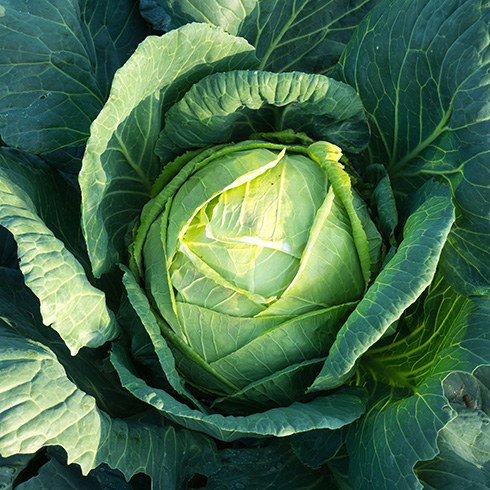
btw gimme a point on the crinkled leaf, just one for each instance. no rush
(305, 35)
(397, 432)
(40, 406)
(119, 165)
(403, 422)
(420, 68)
(20, 308)
(230, 106)
(332, 412)
(61, 56)
(396, 287)
(31, 196)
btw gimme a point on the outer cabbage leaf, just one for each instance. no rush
(54, 475)
(8, 249)
(61, 56)
(421, 69)
(447, 334)
(305, 35)
(231, 106)
(21, 307)
(398, 285)
(31, 198)
(41, 406)
(119, 165)
(317, 447)
(464, 444)
(11, 468)
(269, 466)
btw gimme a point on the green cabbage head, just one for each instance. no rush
(253, 255)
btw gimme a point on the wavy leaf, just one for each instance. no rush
(231, 106)
(30, 193)
(119, 165)
(40, 406)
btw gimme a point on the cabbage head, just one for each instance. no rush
(255, 255)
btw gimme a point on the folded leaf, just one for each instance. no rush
(397, 286)
(29, 193)
(119, 165)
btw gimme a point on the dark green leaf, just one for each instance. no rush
(421, 68)
(8, 249)
(464, 459)
(54, 475)
(269, 467)
(402, 424)
(305, 35)
(61, 56)
(11, 467)
(317, 447)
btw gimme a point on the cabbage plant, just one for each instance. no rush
(244, 245)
